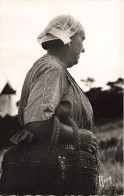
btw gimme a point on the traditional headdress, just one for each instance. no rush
(61, 27)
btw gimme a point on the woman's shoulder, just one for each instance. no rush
(48, 62)
(45, 65)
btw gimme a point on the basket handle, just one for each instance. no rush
(76, 138)
(56, 133)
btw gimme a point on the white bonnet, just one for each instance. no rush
(61, 27)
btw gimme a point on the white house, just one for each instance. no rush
(8, 99)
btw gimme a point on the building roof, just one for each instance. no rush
(7, 89)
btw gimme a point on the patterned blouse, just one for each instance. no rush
(48, 85)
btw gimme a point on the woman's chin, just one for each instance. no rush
(76, 62)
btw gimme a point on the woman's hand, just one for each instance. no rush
(88, 141)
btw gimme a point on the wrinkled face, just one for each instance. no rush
(76, 48)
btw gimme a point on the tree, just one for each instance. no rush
(117, 85)
(88, 82)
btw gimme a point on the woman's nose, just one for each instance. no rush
(83, 50)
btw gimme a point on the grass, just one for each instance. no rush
(109, 166)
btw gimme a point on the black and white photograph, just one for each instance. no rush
(61, 97)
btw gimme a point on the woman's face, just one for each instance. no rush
(75, 48)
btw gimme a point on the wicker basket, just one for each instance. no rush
(32, 169)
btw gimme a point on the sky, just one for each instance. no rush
(21, 21)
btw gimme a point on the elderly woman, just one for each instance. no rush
(48, 91)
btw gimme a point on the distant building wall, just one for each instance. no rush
(8, 105)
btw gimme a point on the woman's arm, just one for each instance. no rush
(42, 131)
